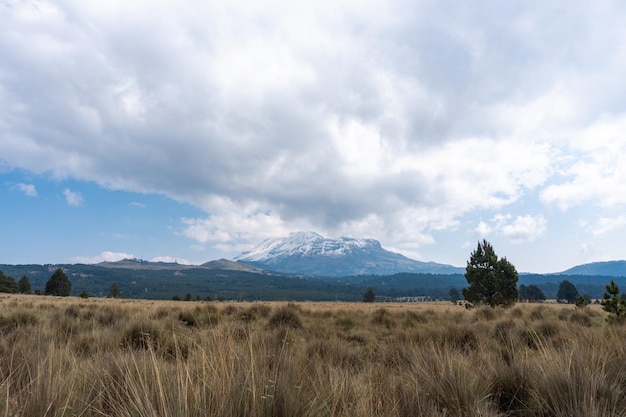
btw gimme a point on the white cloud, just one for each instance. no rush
(608, 224)
(483, 229)
(525, 229)
(72, 198)
(28, 189)
(106, 256)
(170, 259)
(593, 168)
(522, 229)
(232, 229)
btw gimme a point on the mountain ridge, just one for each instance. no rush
(312, 254)
(606, 268)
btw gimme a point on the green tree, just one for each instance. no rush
(567, 293)
(492, 281)
(58, 284)
(24, 285)
(369, 295)
(115, 291)
(454, 294)
(531, 293)
(581, 302)
(83, 294)
(8, 284)
(613, 303)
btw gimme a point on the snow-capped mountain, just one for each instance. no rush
(312, 254)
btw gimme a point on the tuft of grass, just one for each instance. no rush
(382, 317)
(486, 313)
(285, 317)
(412, 319)
(143, 336)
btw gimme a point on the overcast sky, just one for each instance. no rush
(194, 130)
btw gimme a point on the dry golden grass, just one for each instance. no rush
(102, 357)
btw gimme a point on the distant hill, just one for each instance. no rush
(141, 264)
(312, 254)
(231, 266)
(609, 269)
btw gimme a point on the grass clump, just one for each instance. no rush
(285, 317)
(381, 317)
(143, 336)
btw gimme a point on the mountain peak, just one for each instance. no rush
(304, 244)
(313, 254)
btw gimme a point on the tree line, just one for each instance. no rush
(58, 284)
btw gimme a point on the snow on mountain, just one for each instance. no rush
(305, 244)
(313, 254)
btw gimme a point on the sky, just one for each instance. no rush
(191, 131)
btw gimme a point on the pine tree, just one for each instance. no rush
(8, 284)
(492, 281)
(369, 296)
(567, 293)
(454, 294)
(24, 285)
(115, 291)
(613, 303)
(58, 284)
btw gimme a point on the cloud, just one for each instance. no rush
(28, 189)
(106, 256)
(606, 225)
(170, 259)
(483, 229)
(73, 198)
(379, 118)
(522, 229)
(593, 168)
(525, 229)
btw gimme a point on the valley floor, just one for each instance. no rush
(103, 357)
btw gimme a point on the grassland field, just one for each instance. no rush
(116, 357)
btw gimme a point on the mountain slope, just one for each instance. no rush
(610, 269)
(312, 254)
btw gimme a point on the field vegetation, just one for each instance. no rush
(115, 357)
